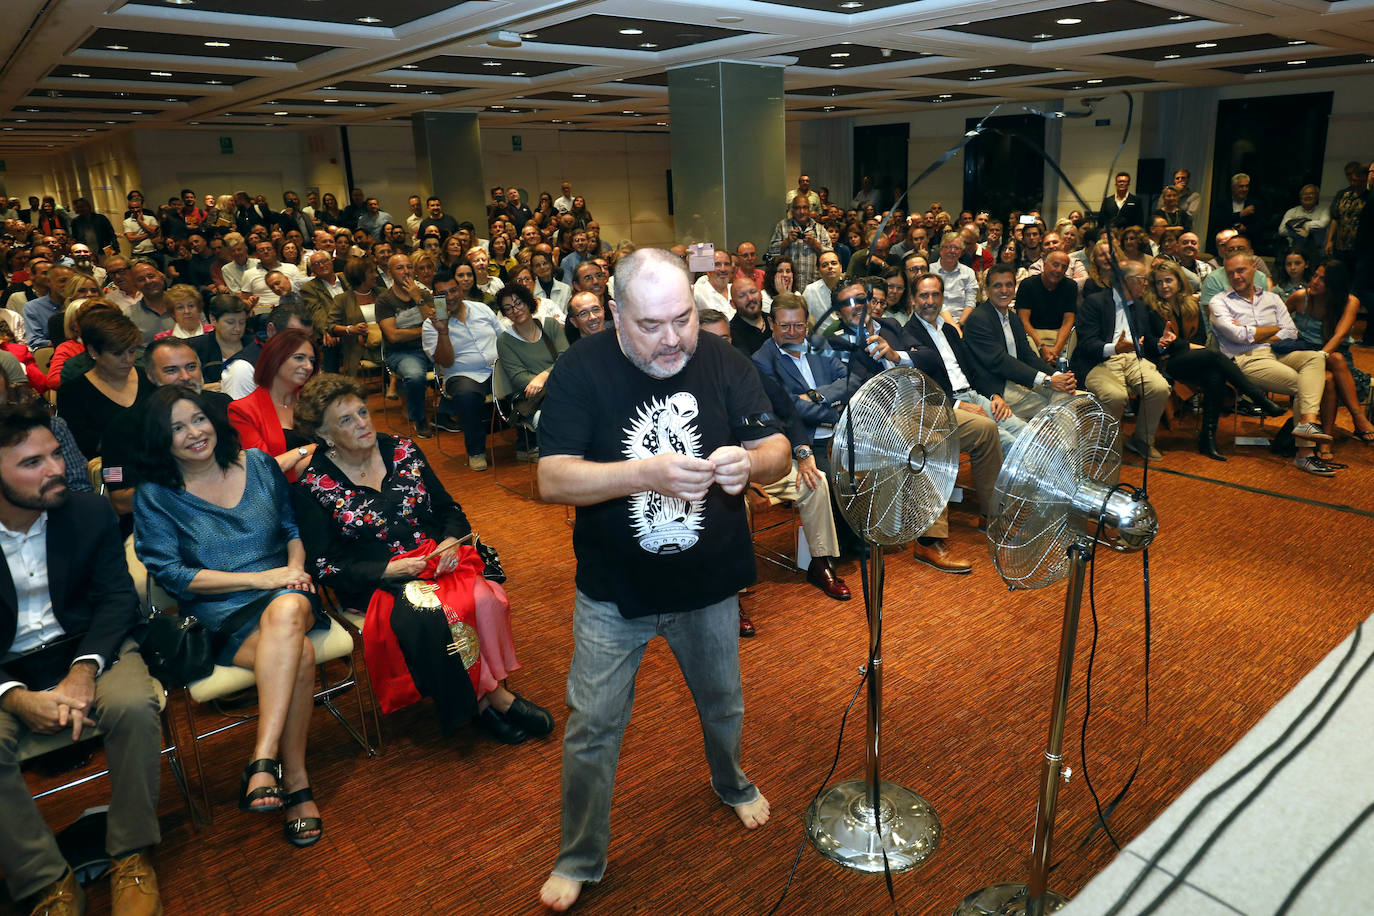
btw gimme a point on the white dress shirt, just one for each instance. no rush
(1235, 318)
(957, 380)
(824, 431)
(961, 287)
(706, 297)
(1009, 335)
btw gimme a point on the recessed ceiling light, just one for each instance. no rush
(135, 112)
(631, 31)
(498, 106)
(661, 123)
(180, 2)
(529, 35)
(118, 47)
(1179, 17)
(9, 128)
(946, 95)
(398, 85)
(273, 57)
(627, 112)
(31, 109)
(368, 20)
(1067, 21)
(517, 73)
(217, 44)
(973, 78)
(359, 104)
(579, 95)
(965, 22)
(331, 101)
(81, 75)
(111, 122)
(1171, 56)
(1205, 44)
(1093, 82)
(829, 107)
(648, 44)
(410, 66)
(850, 5)
(426, 92)
(1296, 63)
(214, 82)
(1297, 41)
(158, 73)
(1042, 35)
(839, 54)
(281, 114)
(172, 100)
(90, 130)
(491, 63)
(834, 66)
(988, 70)
(729, 19)
(21, 120)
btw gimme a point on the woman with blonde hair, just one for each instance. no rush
(1188, 359)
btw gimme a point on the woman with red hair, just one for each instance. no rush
(265, 419)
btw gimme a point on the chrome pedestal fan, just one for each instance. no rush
(893, 461)
(1056, 494)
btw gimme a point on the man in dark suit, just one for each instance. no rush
(935, 347)
(1124, 209)
(1241, 212)
(1109, 332)
(67, 610)
(997, 344)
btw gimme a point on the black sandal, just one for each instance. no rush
(295, 828)
(246, 798)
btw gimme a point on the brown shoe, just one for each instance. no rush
(821, 575)
(64, 897)
(937, 554)
(133, 887)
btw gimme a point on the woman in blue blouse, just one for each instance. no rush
(214, 526)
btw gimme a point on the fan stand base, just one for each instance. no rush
(1007, 900)
(841, 825)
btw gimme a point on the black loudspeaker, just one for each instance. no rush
(1149, 176)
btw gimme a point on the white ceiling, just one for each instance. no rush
(964, 47)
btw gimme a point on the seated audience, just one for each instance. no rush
(586, 315)
(401, 310)
(89, 401)
(1110, 332)
(1188, 359)
(265, 418)
(750, 327)
(1045, 304)
(463, 347)
(527, 350)
(215, 527)
(351, 317)
(186, 312)
(71, 664)
(365, 501)
(33, 376)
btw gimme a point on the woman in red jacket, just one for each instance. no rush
(265, 419)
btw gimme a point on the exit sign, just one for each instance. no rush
(226, 146)
(516, 142)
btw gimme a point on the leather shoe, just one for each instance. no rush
(64, 897)
(824, 578)
(133, 887)
(746, 626)
(533, 719)
(937, 554)
(496, 726)
(1148, 452)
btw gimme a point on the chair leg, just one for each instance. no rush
(195, 754)
(326, 699)
(172, 748)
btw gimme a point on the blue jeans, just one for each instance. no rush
(607, 649)
(410, 366)
(1006, 429)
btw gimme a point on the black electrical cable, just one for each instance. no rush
(1320, 861)
(1244, 771)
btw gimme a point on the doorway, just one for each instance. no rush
(880, 152)
(1001, 173)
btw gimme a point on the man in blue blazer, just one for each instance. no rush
(1110, 330)
(67, 663)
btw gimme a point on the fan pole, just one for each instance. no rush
(1034, 898)
(870, 825)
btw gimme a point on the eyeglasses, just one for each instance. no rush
(791, 326)
(588, 313)
(515, 306)
(854, 301)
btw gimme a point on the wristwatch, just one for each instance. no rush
(802, 452)
(1048, 382)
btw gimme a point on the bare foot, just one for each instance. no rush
(754, 814)
(559, 893)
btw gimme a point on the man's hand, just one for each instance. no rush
(808, 473)
(47, 711)
(1123, 344)
(429, 313)
(79, 684)
(878, 348)
(1063, 381)
(1000, 410)
(1047, 353)
(732, 465)
(681, 476)
(972, 408)
(329, 340)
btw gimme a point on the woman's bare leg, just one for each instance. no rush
(273, 652)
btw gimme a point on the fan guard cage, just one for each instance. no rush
(906, 457)
(1064, 445)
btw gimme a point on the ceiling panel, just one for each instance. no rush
(1096, 83)
(364, 12)
(626, 34)
(201, 48)
(488, 66)
(991, 71)
(1301, 63)
(845, 54)
(1210, 47)
(149, 75)
(1083, 19)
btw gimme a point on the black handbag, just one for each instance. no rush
(492, 568)
(177, 649)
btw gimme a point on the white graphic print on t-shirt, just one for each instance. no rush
(664, 524)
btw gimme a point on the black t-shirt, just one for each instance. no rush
(648, 553)
(407, 315)
(447, 225)
(120, 453)
(1047, 306)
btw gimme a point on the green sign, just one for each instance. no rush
(2, 165)
(515, 143)
(226, 145)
